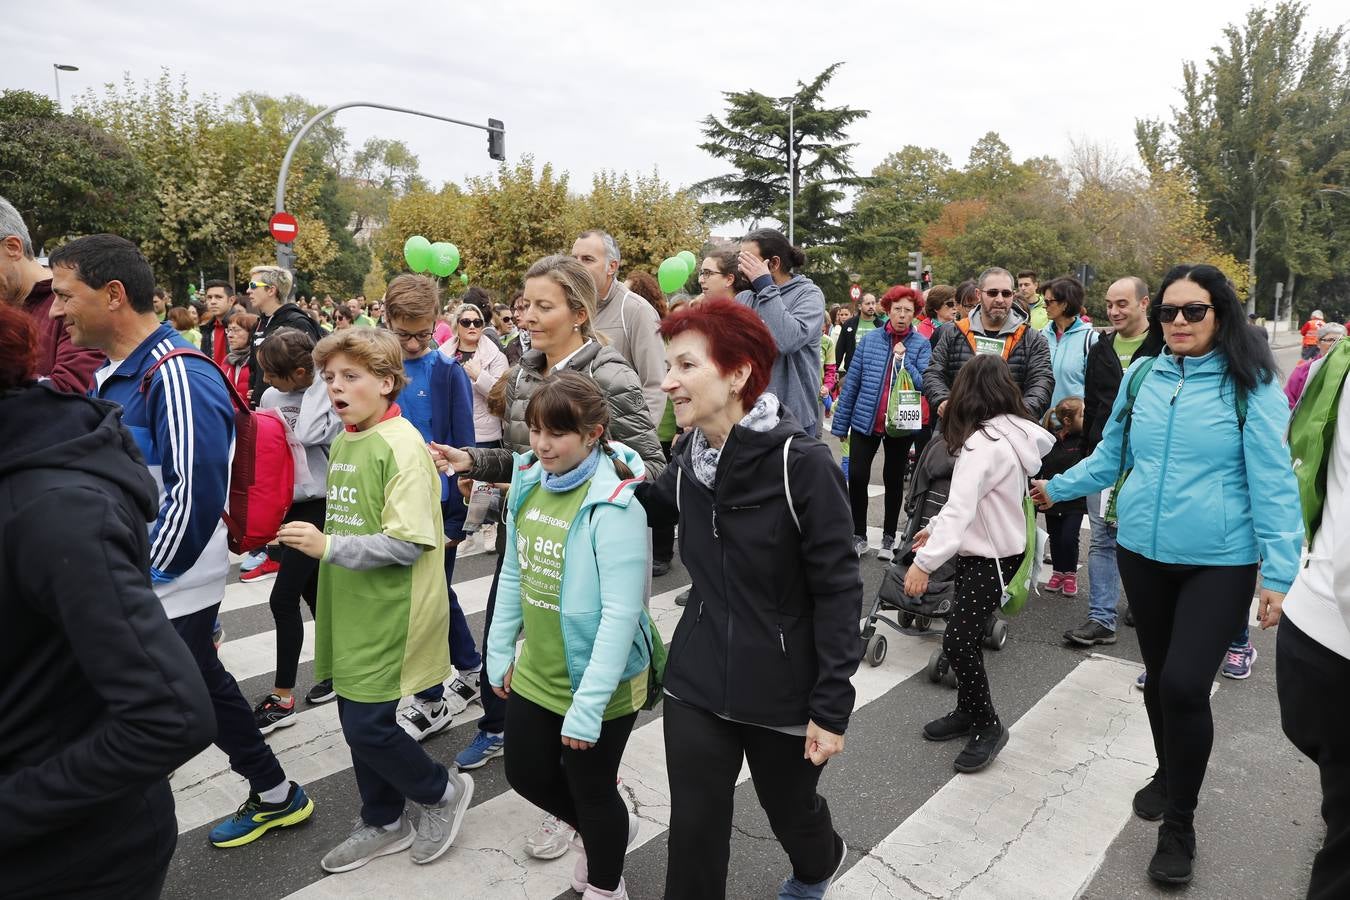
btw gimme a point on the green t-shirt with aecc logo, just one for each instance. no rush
(380, 633)
(542, 526)
(1125, 347)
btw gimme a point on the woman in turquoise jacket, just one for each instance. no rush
(575, 689)
(1209, 496)
(1070, 338)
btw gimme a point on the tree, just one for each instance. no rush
(753, 138)
(67, 177)
(647, 218)
(905, 194)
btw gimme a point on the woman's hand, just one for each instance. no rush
(574, 744)
(1040, 496)
(821, 744)
(916, 581)
(919, 540)
(752, 266)
(473, 369)
(449, 459)
(304, 537)
(1271, 608)
(504, 691)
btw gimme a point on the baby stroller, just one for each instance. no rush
(927, 495)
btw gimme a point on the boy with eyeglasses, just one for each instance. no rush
(438, 400)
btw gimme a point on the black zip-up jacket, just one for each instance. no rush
(848, 340)
(1104, 373)
(770, 634)
(288, 315)
(99, 698)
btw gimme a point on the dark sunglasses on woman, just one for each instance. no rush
(471, 323)
(1194, 312)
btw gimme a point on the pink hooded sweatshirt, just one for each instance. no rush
(983, 514)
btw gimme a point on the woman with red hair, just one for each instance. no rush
(760, 662)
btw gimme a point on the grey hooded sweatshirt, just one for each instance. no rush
(794, 313)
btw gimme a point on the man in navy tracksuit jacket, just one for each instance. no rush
(183, 423)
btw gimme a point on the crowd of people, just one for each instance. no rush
(605, 419)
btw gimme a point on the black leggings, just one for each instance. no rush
(1064, 533)
(298, 577)
(703, 759)
(978, 592)
(862, 449)
(577, 786)
(1185, 617)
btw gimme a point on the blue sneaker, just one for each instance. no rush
(484, 747)
(1238, 663)
(1141, 681)
(254, 560)
(793, 889)
(254, 817)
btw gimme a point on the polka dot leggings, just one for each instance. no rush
(977, 596)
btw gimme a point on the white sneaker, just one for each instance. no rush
(461, 692)
(580, 881)
(887, 551)
(594, 893)
(488, 535)
(423, 718)
(253, 560)
(551, 839)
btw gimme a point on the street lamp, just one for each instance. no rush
(792, 181)
(57, 69)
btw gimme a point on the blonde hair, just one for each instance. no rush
(577, 286)
(275, 276)
(373, 349)
(469, 307)
(411, 297)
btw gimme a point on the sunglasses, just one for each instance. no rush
(995, 293)
(471, 323)
(1194, 312)
(255, 285)
(951, 303)
(507, 320)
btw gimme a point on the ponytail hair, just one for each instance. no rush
(569, 402)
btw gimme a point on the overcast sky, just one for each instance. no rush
(597, 85)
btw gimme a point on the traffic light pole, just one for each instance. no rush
(496, 149)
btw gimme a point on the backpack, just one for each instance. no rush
(1312, 432)
(1126, 415)
(262, 473)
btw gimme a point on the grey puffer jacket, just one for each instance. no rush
(629, 421)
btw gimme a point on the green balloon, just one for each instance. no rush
(690, 260)
(463, 277)
(444, 259)
(417, 251)
(672, 274)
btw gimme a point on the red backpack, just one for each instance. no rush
(262, 474)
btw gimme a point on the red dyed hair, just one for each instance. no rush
(18, 347)
(735, 336)
(898, 292)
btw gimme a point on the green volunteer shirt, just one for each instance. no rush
(1126, 347)
(541, 676)
(380, 633)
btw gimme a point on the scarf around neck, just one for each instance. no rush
(560, 484)
(763, 416)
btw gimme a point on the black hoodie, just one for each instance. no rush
(770, 633)
(99, 697)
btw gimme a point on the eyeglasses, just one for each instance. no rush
(471, 323)
(420, 336)
(1194, 312)
(995, 293)
(255, 285)
(708, 273)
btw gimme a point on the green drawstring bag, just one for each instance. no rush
(904, 405)
(656, 653)
(1312, 432)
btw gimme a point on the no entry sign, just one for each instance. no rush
(283, 227)
(855, 291)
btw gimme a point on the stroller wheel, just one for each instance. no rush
(937, 666)
(923, 623)
(949, 679)
(996, 635)
(876, 650)
(906, 619)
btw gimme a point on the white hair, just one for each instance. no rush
(11, 223)
(611, 245)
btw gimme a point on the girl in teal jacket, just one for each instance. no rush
(575, 689)
(1209, 495)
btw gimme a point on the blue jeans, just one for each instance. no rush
(463, 652)
(1103, 576)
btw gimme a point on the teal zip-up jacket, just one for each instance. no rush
(1202, 492)
(604, 629)
(1068, 358)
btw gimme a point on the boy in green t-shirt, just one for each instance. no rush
(383, 612)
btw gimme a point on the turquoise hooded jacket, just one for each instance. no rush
(602, 596)
(1068, 358)
(1202, 491)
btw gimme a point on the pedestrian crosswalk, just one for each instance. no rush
(1038, 823)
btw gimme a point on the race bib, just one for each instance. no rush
(988, 345)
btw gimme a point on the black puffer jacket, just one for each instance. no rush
(770, 634)
(1104, 373)
(288, 315)
(1029, 363)
(99, 697)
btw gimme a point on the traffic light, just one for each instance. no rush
(496, 139)
(915, 266)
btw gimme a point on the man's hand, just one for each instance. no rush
(304, 537)
(752, 266)
(1271, 608)
(821, 744)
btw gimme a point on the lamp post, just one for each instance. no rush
(57, 69)
(792, 179)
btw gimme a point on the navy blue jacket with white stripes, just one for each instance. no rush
(184, 427)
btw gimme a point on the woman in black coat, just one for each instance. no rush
(760, 662)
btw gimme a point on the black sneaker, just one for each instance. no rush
(1090, 633)
(1150, 801)
(954, 724)
(321, 692)
(683, 599)
(1129, 617)
(660, 567)
(983, 746)
(270, 714)
(1173, 860)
